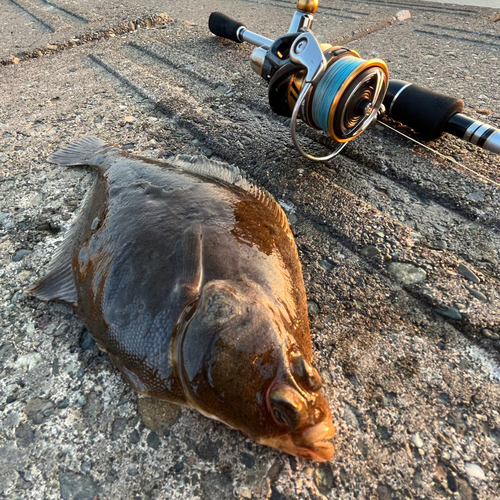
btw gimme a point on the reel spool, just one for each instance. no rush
(343, 100)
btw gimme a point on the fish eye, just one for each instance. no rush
(286, 404)
(279, 417)
(305, 374)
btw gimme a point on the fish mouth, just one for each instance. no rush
(312, 442)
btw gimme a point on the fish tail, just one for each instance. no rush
(79, 153)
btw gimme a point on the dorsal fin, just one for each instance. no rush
(232, 175)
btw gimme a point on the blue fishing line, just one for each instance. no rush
(328, 86)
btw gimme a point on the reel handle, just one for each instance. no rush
(431, 114)
(221, 25)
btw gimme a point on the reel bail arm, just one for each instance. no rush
(306, 52)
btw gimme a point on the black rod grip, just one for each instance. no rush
(421, 109)
(221, 25)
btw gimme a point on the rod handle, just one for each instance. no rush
(421, 109)
(221, 25)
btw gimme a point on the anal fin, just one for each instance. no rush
(58, 283)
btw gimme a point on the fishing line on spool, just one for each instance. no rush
(329, 86)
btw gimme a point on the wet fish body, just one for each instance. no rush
(188, 276)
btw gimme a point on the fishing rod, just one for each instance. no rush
(333, 89)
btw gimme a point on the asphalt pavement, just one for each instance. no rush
(399, 248)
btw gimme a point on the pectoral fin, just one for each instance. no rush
(190, 253)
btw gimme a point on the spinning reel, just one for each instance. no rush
(333, 89)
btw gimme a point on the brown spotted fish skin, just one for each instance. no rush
(188, 276)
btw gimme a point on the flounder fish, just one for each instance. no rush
(188, 276)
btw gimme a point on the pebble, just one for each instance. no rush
(247, 460)
(417, 478)
(52, 47)
(312, 308)
(92, 408)
(38, 410)
(325, 264)
(244, 492)
(440, 473)
(384, 492)
(134, 437)
(467, 273)
(350, 417)
(478, 295)
(208, 450)
(206, 151)
(465, 491)
(476, 196)
(74, 486)
(132, 470)
(494, 435)
(473, 470)
(417, 440)
(20, 254)
(28, 361)
(440, 245)
(363, 448)
(86, 341)
(383, 433)
(490, 334)
(86, 467)
(217, 485)
(158, 415)
(221, 89)
(451, 313)
(153, 440)
(17, 296)
(178, 467)
(323, 478)
(61, 330)
(407, 274)
(25, 435)
(63, 404)
(129, 119)
(118, 428)
(452, 483)
(403, 15)
(48, 226)
(370, 251)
